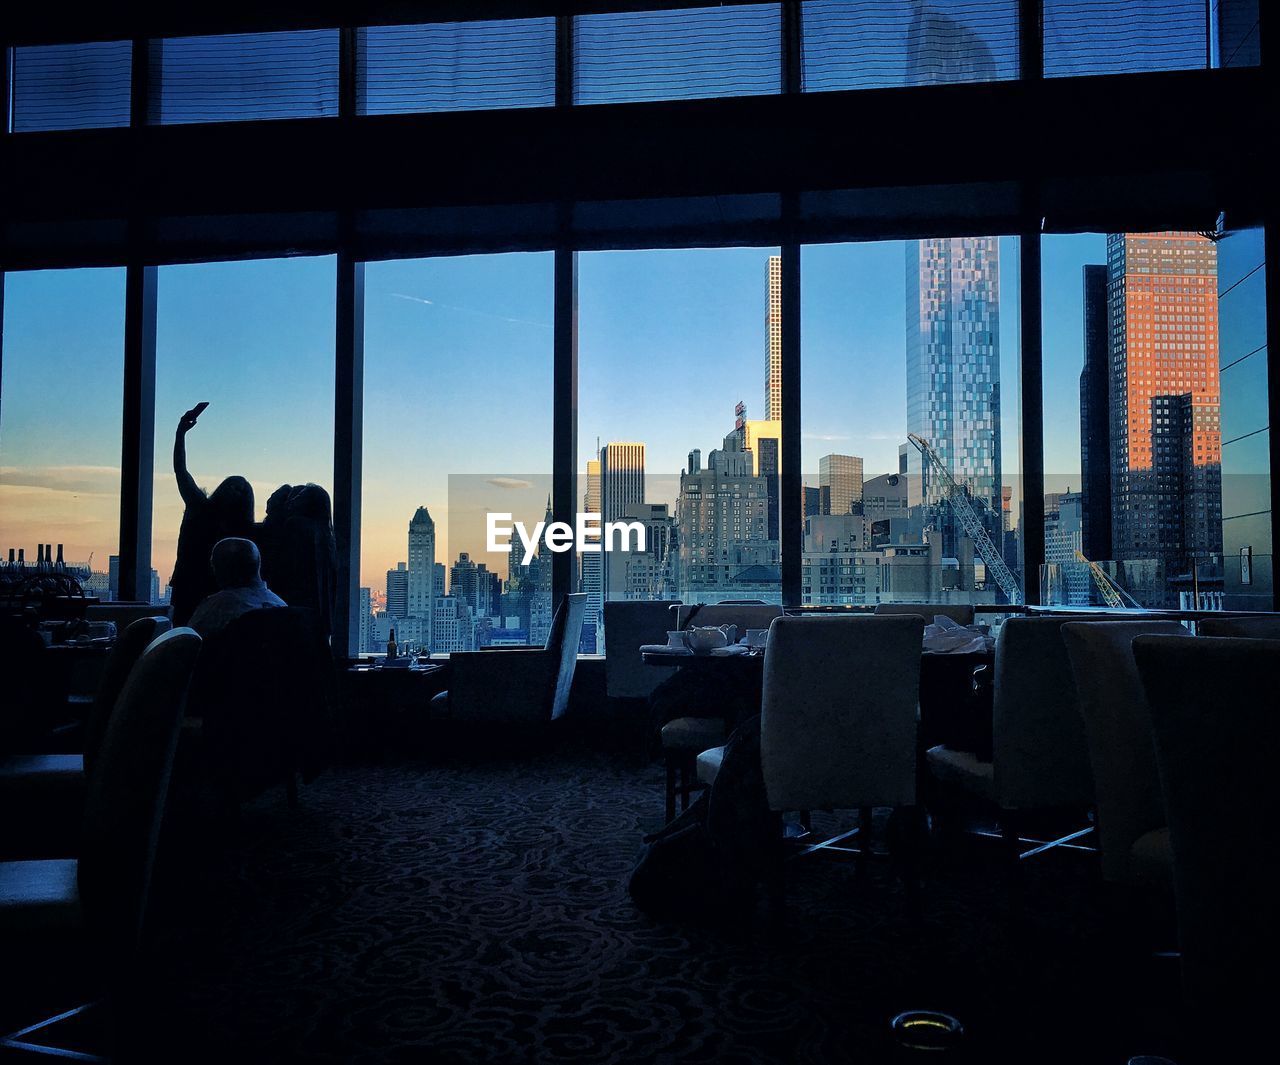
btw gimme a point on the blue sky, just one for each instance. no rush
(458, 375)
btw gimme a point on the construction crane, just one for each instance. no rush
(1111, 592)
(958, 495)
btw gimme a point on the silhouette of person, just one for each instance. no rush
(307, 571)
(237, 571)
(269, 535)
(206, 520)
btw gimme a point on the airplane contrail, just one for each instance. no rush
(469, 310)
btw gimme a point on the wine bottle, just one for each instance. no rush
(391, 646)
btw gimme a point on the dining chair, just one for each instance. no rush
(1133, 835)
(1040, 757)
(627, 626)
(1213, 713)
(94, 907)
(838, 719)
(1265, 627)
(516, 687)
(960, 613)
(50, 788)
(259, 707)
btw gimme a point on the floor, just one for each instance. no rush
(477, 911)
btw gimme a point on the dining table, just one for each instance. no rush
(955, 689)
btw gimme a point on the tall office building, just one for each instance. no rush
(773, 342)
(621, 478)
(722, 518)
(763, 438)
(1166, 441)
(422, 563)
(953, 369)
(592, 570)
(398, 591)
(841, 475)
(1095, 418)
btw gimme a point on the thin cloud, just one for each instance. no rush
(469, 310)
(508, 482)
(81, 480)
(829, 438)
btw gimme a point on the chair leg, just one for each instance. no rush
(671, 791)
(864, 838)
(684, 784)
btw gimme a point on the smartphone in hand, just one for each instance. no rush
(198, 410)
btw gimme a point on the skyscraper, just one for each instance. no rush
(1095, 418)
(773, 342)
(621, 487)
(398, 591)
(422, 561)
(621, 478)
(592, 568)
(953, 367)
(842, 476)
(1166, 442)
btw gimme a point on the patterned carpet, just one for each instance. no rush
(478, 912)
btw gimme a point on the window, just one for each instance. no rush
(457, 66)
(733, 50)
(1156, 465)
(1101, 37)
(243, 76)
(910, 367)
(679, 424)
(457, 425)
(850, 44)
(255, 340)
(60, 435)
(70, 86)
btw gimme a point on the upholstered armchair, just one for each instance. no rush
(1132, 833)
(516, 686)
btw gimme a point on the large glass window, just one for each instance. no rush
(457, 66)
(237, 77)
(60, 423)
(70, 86)
(851, 44)
(910, 429)
(254, 340)
(457, 425)
(1156, 472)
(1105, 37)
(680, 424)
(734, 50)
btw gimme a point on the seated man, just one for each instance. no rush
(237, 572)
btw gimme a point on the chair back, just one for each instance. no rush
(1265, 627)
(127, 791)
(120, 662)
(562, 643)
(1038, 744)
(627, 626)
(744, 615)
(960, 613)
(1213, 712)
(838, 718)
(262, 688)
(1117, 726)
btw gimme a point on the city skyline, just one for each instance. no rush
(456, 318)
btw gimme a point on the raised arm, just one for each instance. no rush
(187, 486)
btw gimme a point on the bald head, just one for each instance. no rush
(236, 563)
